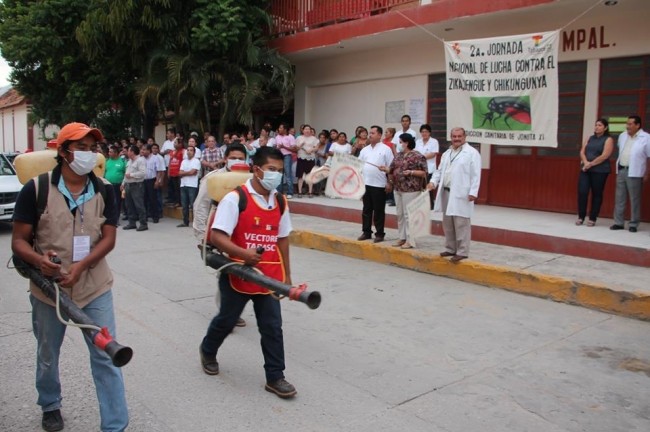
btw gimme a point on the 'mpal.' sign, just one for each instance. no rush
(504, 90)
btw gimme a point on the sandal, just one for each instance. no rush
(406, 246)
(399, 243)
(579, 221)
(591, 223)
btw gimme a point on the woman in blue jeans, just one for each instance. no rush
(594, 169)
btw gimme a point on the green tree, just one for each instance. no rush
(124, 61)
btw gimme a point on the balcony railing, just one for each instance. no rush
(292, 16)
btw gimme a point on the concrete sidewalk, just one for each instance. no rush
(612, 287)
(529, 229)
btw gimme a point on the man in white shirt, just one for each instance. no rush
(429, 148)
(378, 157)
(152, 181)
(460, 177)
(189, 174)
(631, 172)
(263, 224)
(406, 128)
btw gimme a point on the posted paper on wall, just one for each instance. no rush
(504, 90)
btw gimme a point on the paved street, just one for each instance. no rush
(388, 350)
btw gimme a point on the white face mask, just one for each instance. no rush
(271, 180)
(84, 162)
(231, 162)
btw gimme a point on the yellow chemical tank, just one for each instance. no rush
(219, 184)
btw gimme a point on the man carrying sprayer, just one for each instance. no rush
(78, 226)
(264, 223)
(460, 175)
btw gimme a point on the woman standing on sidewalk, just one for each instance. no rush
(595, 167)
(408, 174)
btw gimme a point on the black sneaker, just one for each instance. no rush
(210, 365)
(282, 388)
(616, 227)
(52, 421)
(142, 228)
(129, 227)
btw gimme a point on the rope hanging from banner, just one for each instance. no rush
(424, 29)
(596, 3)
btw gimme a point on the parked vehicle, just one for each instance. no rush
(9, 188)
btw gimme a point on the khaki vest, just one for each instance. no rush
(55, 231)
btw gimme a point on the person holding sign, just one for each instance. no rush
(407, 174)
(460, 177)
(377, 157)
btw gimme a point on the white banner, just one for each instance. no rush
(504, 90)
(345, 178)
(418, 213)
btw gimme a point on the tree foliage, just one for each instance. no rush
(100, 60)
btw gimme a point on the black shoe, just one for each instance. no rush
(142, 228)
(210, 365)
(282, 388)
(447, 254)
(52, 421)
(632, 229)
(155, 220)
(128, 227)
(182, 225)
(240, 322)
(616, 227)
(378, 239)
(364, 237)
(390, 203)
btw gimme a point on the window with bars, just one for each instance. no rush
(624, 91)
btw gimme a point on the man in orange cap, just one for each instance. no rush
(78, 226)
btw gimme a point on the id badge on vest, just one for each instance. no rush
(80, 247)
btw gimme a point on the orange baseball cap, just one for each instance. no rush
(76, 131)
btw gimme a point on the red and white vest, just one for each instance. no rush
(258, 226)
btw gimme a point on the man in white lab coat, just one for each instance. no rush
(459, 175)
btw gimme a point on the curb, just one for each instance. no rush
(559, 289)
(540, 242)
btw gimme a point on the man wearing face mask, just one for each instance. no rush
(78, 225)
(265, 223)
(235, 155)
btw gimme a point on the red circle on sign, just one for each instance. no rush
(342, 182)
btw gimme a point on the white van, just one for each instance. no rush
(9, 188)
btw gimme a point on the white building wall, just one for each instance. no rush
(14, 131)
(351, 89)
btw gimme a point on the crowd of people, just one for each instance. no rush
(147, 176)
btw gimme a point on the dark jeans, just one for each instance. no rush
(118, 196)
(287, 175)
(135, 203)
(151, 199)
(595, 182)
(374, 209)
(269, 323)
(188, 195)
(174, 193)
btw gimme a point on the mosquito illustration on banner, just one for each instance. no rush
(495, 113)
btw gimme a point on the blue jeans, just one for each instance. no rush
(288, 174)
(269, 323)
(188, 195)
(109, 384)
